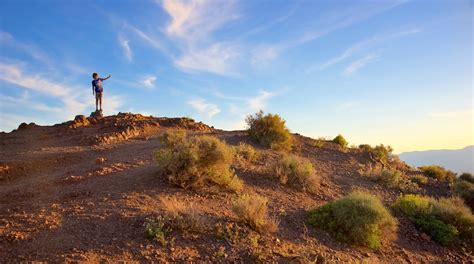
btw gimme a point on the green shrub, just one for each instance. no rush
(197, 161)
(269, 131)
(358, 218)
(441, 232)
(252, 209)
(246, 152)
(419, 179)
(453, 211)
(450, 211)
(413, 205)
(439, 173)
(341, 141)
(465, 190)
(295, 171)
(467, 177)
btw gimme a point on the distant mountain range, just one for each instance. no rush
(460, 160)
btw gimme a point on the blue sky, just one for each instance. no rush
(393, 72)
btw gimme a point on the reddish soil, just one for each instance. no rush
(80, 192)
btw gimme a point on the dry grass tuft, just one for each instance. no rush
(252, 209)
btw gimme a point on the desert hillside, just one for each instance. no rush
(85, 190)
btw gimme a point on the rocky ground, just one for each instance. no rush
(80, 191)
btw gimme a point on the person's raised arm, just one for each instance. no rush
(107, 77)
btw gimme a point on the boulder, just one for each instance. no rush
(97, 114)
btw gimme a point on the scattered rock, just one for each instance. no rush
(97, 114)
(23, 126)
(425, 237)
(100, 160)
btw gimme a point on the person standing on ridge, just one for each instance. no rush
(98, 89)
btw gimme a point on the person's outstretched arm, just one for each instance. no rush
(107, 77)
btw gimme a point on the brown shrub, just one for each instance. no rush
(252, 209)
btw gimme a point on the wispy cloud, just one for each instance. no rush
(74, 100)
(127, 51)
(8, 40)
(204, 107)
(149, 81)
(333, 22)
(358, 64)
(192, 25)
(362, 46)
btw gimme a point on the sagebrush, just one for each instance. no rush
(439, 173)
(465, 190)
(194, 162)
(295, 171)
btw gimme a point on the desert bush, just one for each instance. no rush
(252, 209)
(319, 142)
(359, 218)
(379, 152)
(419, 179)
(439, 173)
(182, 216)
(246, 152)
(390, 178)
(341, 141)
(295, 171)
(197, 161)
(465, 190)
(444, 220)
(467, 177)
(269, 131)
(453, 211)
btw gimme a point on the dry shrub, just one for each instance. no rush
(183, 216)
(295, 171)
(197, 161)
(467, 177)
(252, 209)
(380, 152)
(269, 131)
(246, 152)
(439, 173)
(465, 190)
(319, 142)
(419, 179)
(359, 218)
(390, 178)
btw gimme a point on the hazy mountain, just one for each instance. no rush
(460, 160)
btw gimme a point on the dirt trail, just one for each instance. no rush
(80, 191)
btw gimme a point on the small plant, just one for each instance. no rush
(465, 190)
(155, 229)
(467, 177)
(295, 171)
(246, 152)
(359, 218)
(197, 161)
(439, 173)
(252, 209)
(229, 232)
(269, 131)
(444, 220)
(419, 179)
